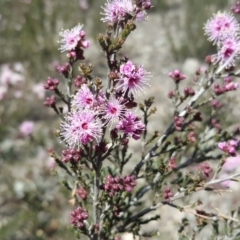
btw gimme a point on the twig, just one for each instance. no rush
(170, 128)
(177, 196)
(212, 182)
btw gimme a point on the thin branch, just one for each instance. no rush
(177, 196)
(231, 177)
(170, 128)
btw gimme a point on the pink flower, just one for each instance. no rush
(177, 76)
(38, 90)
(78, 216)
(8, 76)
(133, 79)
(205, 168)
(236, 9)
(50, 101)
(221, 26)
(80, 128)
(120, 10)
(72, 155)
(231, 86)
(216, 104)
(26, 128)
(114, 110)
(131, 125)
(228, 147)
(167, 194)
(51, 84)
(228, 53)
(231, 163)
(82, 193)
(83, 98)
(73, 38)
(117, 184)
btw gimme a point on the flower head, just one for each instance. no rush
(221, 26)
(228, 53)
(83, 99)
(80, 128)
(73, 38)
(72, 155)
(114, 110)
(119, 10)
(117, 184)
(229, 147)
(78, 216)
(177, 76)
(205, 168)
(131, 125)
(236, 9)
(133, 78)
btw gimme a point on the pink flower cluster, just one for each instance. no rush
(236, 9)
(191, 137)
(72, 155)
(81, 127)
(133, 78)
(51, 84)
(78, 216)
(131, 125)
(26, 128)
(172, 163)
(177, 76)
(223, 29)
(84, 98)
(116, 11)
(114, 111)
(178, 123)
(205, 168)
(11, 77)
(167, 194)
(50, 101)
(92, 110)
(229, 85)
(73, 40)
(216, 104)
(232, 86)
(229, 147)
(64, 69)
(82, 193)
(79, 81)
(216, 123)
(188, 91)
(118, 185)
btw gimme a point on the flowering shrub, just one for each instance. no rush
(101, 117)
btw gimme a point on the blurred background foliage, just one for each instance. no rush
(33, 205)
(29, 29)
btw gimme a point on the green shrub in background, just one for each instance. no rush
(28, 27)
(186, 20)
